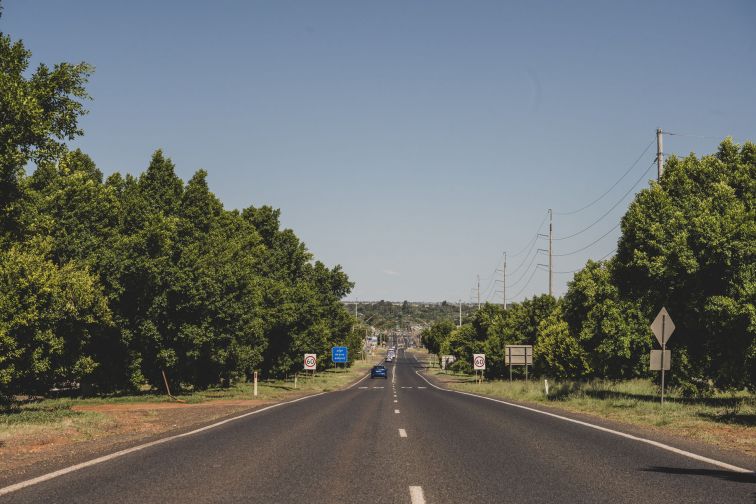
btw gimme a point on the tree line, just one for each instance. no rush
(688, 243)
(106, 282)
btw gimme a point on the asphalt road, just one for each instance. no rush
(350, 447)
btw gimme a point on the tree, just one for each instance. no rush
(612, 331)
(689, 243)
(48, 318)
(558, 353)
(433, 337)
(37, 114)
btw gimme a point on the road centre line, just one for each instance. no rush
(402, 433)
(416, 494)
(663, 446)
(45, 477)
(396, 411)
(395, 400)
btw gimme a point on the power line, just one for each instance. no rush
(607, 255)
(590, 244)
(613, 185)
(702, 137)
(526, 284)
(640, 179)
(562, 272)
(519, 267)
(524, 274)
(532, 241)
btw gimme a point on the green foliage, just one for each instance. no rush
(558, 353)
(39, 113)
(387, 315)
(689, 243)
(106, 284)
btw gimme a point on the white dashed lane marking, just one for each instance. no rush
(416, 494)
(402, 433)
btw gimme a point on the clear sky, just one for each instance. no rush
(412, 142)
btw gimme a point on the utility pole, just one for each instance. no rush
(478, 292)
(659, 154)
(503, 281)
(551, 269)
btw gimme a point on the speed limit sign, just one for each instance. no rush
(479, 361)
(310, 361)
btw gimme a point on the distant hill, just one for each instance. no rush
(387, 315)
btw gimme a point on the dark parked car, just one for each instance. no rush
(379, 372)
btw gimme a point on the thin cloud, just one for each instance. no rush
(390, 272)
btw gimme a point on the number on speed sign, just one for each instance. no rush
(310, 361)
(479, 361)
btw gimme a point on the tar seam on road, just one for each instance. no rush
(45, 477)
(663, 446)
(416, 494)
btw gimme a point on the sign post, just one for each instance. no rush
(662, 327)
(479, 364)
(518, 355)
(310, 362)
(339, 355)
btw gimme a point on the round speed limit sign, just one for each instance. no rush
(310, 361)
(479, 361)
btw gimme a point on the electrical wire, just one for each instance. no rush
(532, 241)
(640, 179)
(525, 286)
(524, 273)
(613, 185)
(590, 244)
(607, 255)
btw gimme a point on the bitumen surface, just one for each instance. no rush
(397, 440)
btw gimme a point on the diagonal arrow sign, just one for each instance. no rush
(663, 327)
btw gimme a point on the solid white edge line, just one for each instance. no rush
(45, 477)
(402, 433)
(358, 381)
(663, 446)
(416, 494)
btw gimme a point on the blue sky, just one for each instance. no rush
(411, 142)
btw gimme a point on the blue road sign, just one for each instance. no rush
(339, 354)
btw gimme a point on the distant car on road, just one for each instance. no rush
(389, 358)
(379, 372)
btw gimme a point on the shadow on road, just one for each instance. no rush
(714, 473)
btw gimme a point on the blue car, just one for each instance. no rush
(379, 372)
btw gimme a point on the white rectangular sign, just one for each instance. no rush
(656, 360)
(479, 361)
(310, 361)
(518, 355)
(446, 360)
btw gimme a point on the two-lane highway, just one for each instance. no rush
(397, 440)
